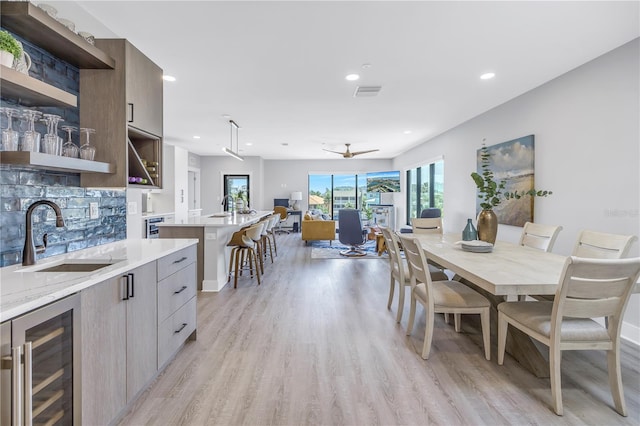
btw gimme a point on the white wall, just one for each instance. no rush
(587, 151)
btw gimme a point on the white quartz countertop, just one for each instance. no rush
(23, 289)
(214, 220)
(148, 215)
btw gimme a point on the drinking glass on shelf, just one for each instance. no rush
(69, 149)
(87, 151)
(30, 138)
(52, 142)
(10, 137)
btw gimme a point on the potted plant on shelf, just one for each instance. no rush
(9, 49)
(492, 193)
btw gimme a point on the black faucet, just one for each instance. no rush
(30, 250)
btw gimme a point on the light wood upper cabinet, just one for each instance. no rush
(144, 92)
(124, 105)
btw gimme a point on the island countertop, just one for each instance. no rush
(23, 288)
(214, 220)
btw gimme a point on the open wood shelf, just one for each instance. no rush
(29, 91)
(35, 25)
(54, 162)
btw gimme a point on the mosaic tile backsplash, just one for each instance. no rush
(21, 186)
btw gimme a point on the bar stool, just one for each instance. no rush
(268, 237)
(256, 237)
(244, 245)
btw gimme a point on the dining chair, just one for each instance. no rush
(538, 236)
(399, 271)
(426, 225)
(588, 288)
(600, 245)
(446, 297)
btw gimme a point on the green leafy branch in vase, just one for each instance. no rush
(492, 192)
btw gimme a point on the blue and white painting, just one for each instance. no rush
(514, 162)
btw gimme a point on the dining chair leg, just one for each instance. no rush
(456, 322)
(402, 289)
(615, 379)
(502, 337)
(486, 332)
(555, 357)
(428, 335)
(412, 314)
(392, 286)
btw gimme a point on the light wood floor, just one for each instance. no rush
(315, 345)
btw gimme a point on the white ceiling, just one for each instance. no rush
(278, 68)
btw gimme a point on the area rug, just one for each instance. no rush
(322, 250)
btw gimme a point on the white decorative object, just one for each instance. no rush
(6, 58)
(295, 197)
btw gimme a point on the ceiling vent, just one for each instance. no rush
(367, 91)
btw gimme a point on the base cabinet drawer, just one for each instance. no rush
(172, 263)
(175, 291)
(173, 331)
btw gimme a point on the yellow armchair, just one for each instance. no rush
(313, 230)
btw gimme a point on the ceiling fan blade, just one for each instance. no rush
(364, 152)
(335, 152)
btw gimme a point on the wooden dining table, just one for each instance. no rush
(507, 272)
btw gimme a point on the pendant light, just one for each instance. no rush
(233, 125)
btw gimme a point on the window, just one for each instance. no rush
(330, 193)
(425, 188)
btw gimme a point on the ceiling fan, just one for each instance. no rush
(349, 154)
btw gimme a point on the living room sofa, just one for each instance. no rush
(315, 229)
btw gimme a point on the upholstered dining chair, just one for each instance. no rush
(350, 232)
(588, 288)
(538, 236)
(598, 245)
(446, 297)
(399, 271)
(601, 245)
(284, 215)
(426, 225)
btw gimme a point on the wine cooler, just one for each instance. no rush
(40, 374)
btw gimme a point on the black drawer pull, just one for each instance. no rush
(184, 287)
(184, 324)
(126, 287)
(180, 260)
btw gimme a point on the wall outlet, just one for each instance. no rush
(132, 207)
(94, 212)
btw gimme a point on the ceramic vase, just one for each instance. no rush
(469, 232)
(487, 226)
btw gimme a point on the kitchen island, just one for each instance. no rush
(213, 233)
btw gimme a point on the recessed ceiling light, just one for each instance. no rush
(168, 78)
(249, 143)
(196, 137)
(487, 76)
(366, 66)
(352, 77)
(407, 132)
(284, 144)
(226, 116)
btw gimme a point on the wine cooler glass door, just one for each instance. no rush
(49, 338)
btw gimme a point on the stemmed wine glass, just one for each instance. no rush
(87, 151)
(10, 137)
(52, 142)
(30, 138)
(69, 149)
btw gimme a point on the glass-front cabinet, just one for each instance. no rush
(40, 376)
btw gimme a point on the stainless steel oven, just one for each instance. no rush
(152, 226)
(40, 375)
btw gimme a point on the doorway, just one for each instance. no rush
(235, 187)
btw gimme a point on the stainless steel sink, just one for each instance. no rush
(75, 267)
(88, 265)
